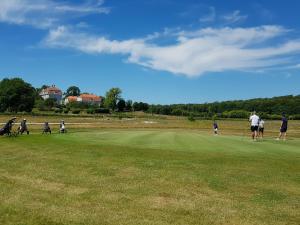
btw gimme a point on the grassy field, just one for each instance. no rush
(149, 173)
(147, 121)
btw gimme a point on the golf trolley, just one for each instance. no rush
(7, 129)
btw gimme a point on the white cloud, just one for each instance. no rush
(45, 13)
(194, 53)
(235, 17)
(209, 17)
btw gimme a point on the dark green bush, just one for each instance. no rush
(76, 111)
(191, 117)
(90, 111)
(102, 110)
(58, 110)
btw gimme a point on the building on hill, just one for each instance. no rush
(85, 98)
(70, 99)
(52, 92)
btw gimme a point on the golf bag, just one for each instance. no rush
(7, 128)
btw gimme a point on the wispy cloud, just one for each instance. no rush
(195, 53)
(234, 17)
(210, 17)
(45, 13)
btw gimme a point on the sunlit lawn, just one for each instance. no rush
(148, 177)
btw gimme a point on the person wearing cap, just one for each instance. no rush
(23, 127)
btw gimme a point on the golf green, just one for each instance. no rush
(148, 177)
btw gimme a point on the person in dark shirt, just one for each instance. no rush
(23, 127)
(47, 128)
(216, 128)
(283, 128)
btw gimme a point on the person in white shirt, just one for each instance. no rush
(254, 119)
(62, 127)
(261, 127)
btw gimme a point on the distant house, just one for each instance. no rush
(85, 98)
(70, 99)
(52, 92)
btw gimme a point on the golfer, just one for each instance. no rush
(216, 127)
(62, 127)
(47, 128)
(23, 127)
(261, 128)
(283, 128)
(254, 119)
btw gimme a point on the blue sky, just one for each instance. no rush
(156, 51)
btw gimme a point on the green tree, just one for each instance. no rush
(128, 105)
(112, 97)
(50, 103)
(16, 95)
(73, 91)
(121, 105)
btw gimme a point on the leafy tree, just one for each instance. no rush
(128, 105)
(46, 105)
(140, 106)
(44, 86)
(50, 103)
(16, 95)
(112, 97)
(73, 91)
(121, 105)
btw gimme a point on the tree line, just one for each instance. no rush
(17, 95)
(268, 108)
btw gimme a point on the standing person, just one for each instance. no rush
(283, 128)
(216, 127)
(23, 127)
(47, 128)
(261, 128)
(62, 127)
(254, 119)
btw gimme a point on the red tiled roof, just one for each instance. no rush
(72, 98)
(53, 90)
(90, 97)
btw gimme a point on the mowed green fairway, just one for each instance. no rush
(148, 177)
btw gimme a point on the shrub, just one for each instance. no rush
(76, 111)
(191, 117)
(58, 110)
(90, 111)
(102, 110)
